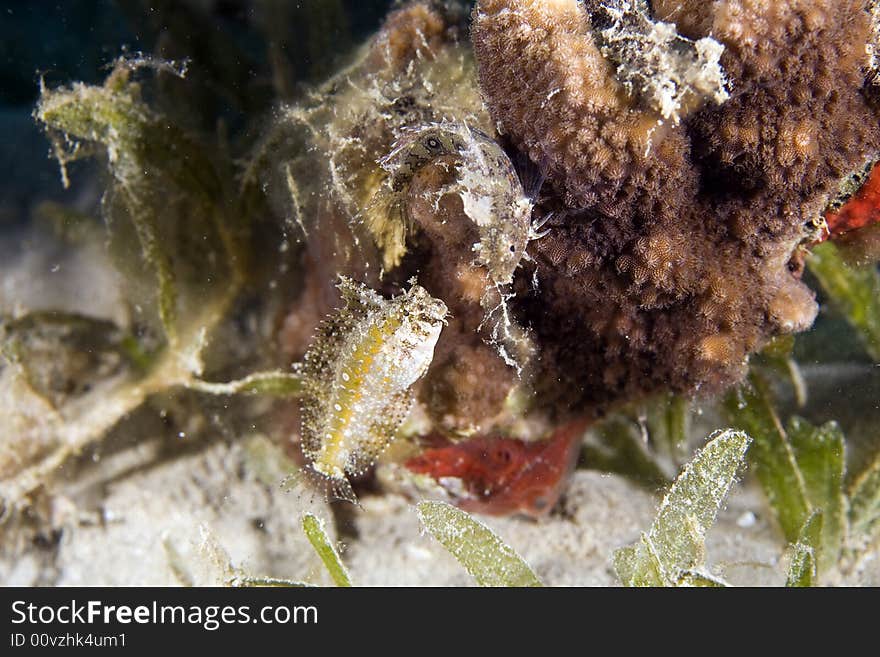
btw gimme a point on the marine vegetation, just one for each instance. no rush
(506, 242)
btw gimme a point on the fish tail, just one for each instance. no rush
(307, 478)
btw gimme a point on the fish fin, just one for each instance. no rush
(531, 175)
(308, 479)
(340, 489)
(535, 232)
(382, 432)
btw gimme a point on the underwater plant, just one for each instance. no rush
(672, 552)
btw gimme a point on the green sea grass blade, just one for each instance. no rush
(864, 501)
(820, 455)
(615, 445)
(165, 196)
(156, 256)
(778, 357)
(314, 530)
(772, 456)
(638, 564)
(275, 383)
(485, 556)
(803, 566)
(675, 543)
(677, 423)
(667, 419)
(854, 291)
(802, 569)
(701, 580)
(801, 467)
(268, 582)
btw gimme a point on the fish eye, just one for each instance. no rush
(433, 143)
(513, 248)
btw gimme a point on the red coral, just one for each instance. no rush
(863, 209)
(500, 476)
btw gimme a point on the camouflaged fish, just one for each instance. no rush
(359, 373)
(486, 181)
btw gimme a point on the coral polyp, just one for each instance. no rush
(675, 248)
(681, 176)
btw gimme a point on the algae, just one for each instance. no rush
(486, 557)
(674, 547)
(314, 530)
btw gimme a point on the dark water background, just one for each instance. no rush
(229, 42)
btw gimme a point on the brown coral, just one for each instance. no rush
(797, 120)
(674, 248)
(549, 87)
(692, 17)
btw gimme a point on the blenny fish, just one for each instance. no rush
(487, 182)
(500, 476)
(493, 198)
(358, 374)
(858, 205)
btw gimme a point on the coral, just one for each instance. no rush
(693, 18)
(858, 203)
(500, 476)
(330, 164)
(319, 159)
(670, 72)
(549, 88)
(682, 156)
(797, 120)
(358, 375)
(674, 251)
(455, 393)
(680, 171)
(872, 50)
(457, 396)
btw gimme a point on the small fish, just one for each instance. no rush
(501, 476)
(487, 182)
(493, 198)
(359, 372)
